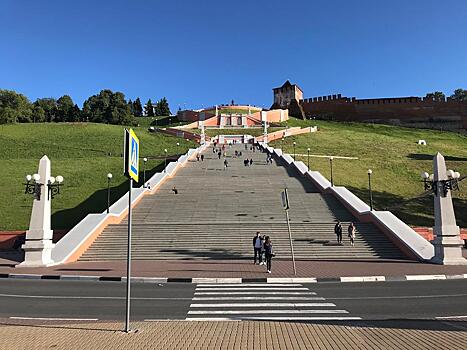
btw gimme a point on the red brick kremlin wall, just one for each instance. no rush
(406, 111)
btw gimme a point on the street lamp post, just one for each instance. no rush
(165, 160)
(369, 188)
(330, 163)
(109, 178)
(144, 171)
(282, 145)
(308, 151)
(178, 144)
(294, 144)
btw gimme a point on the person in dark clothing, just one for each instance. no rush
(338, 232)
(202, 157)
(257, 247)
(268, 253)
(219, 154)
(174, 190)
(246, 162)
(251, 161)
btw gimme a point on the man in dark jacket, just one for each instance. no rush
(338, 232)
(257, 246)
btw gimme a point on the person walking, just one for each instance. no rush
(226, 164)
(351, 232)
(258, 247)
(202, 157)
(251, 161)
(268, 253)
(219, 154)
(338, 232)
(197, 156)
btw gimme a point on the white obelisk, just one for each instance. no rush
(38, 245)
(448, 245)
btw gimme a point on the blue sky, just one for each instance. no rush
(206, 52)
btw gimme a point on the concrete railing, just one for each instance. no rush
(402, 235)
(80, 237)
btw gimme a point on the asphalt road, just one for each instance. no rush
(106, 300)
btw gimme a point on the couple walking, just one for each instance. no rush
(263, 244)
(350, 233)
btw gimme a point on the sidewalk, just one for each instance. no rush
(239, 268)
(238, 335)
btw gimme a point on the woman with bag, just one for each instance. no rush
(351, 231)
(268, 253)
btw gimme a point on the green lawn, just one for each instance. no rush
(395, 158)
(83, 153)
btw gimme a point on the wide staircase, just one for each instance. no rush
(217, 212)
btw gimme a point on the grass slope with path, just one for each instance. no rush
(395, 158)
(83, 153)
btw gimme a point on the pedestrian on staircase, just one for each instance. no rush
(257, 247)
(226, 164)
(338, 232)
(351, 232)
(219, 154)
(202, 157)
(268, 253)
(197, 156)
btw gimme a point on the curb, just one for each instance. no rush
(198, 280)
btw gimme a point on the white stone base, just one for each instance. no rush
(448, 251)
(37, 253)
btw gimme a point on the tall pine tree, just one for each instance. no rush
(137, 108)
(149, 109)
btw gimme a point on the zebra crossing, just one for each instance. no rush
(262, 301)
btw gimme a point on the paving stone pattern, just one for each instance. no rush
(216, 213)
(397, 335)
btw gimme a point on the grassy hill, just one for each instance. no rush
(83, 153)
(395, 158)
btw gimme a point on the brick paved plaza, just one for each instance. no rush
(238, 335)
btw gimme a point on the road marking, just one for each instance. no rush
(251, 288)
(82, 297)
(255, 293)
(402, 297)
(256, 298)
(239, 312)
(265, 305)
(52, 318)
(272, 318)
(450, 317)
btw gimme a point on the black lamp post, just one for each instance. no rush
(294, 154)
(109, 178)
(369, 188)
(178, 144)
(308, 151)
(144, 171)
(282, 145)
(330, 163)
(165, 160)
(441, 187)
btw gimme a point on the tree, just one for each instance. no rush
(38, 114)
(436, 96)
(49, 105)
(107, 107)
(66, 111)
(137, 108)
(14, 107)
(149, 109)
(162, 107)
(459, 95)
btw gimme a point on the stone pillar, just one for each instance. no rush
(217, 111)
(203, 135)
(448, 245)
(264, 119)
(38, 245)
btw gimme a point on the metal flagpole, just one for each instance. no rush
(128, 262)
